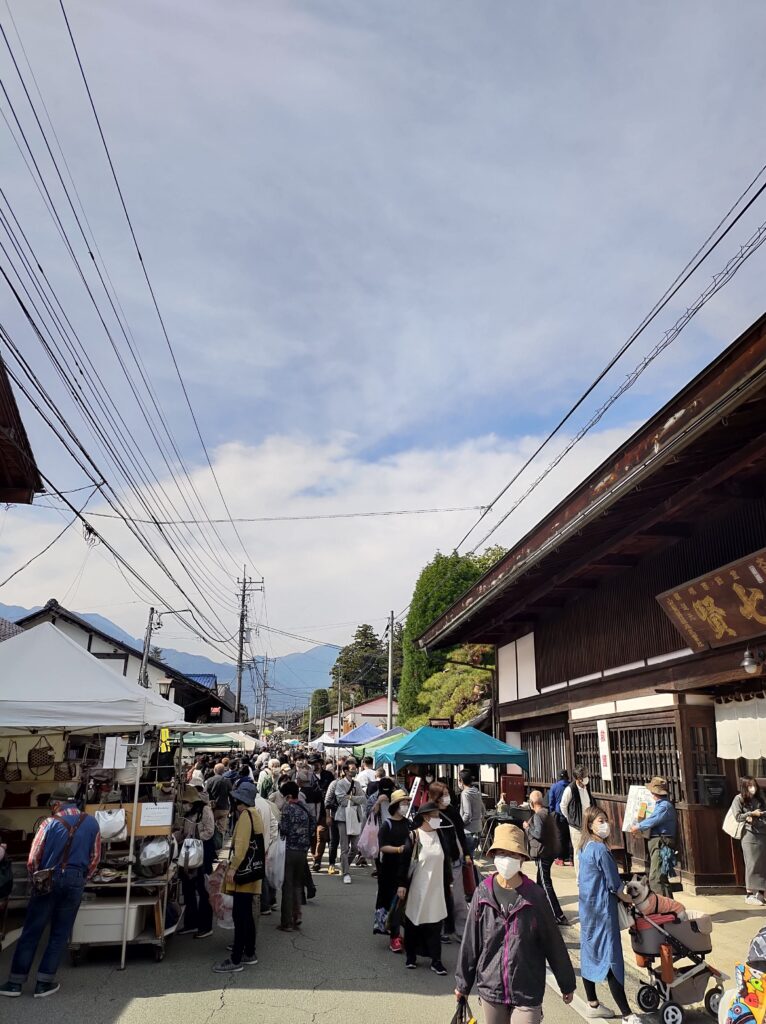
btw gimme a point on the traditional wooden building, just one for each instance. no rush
(19, 478)
(622, 620)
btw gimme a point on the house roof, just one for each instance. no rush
(19, 477)
(193, 688)
(208, 679)
(8, 629)
(704, 448)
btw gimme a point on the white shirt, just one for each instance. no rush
(425, 896)
(270, 818)
(567, 799)
(365, 778)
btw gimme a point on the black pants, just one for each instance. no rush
(332, 853)
(198, 913)
(292, 886)
(565, 839)
(617, 990)
(244, 926)
(419, 937)
(310, 890)
(544, 880)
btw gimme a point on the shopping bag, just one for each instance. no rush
(275, 863)
(395, 913)
(732, 827)
(368, 840)
(192, 855)
(463, 1013)
(252, 868)
(156, 851)
(112, 825)
(469, 880)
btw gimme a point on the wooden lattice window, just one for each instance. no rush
(547, 751)
(638, 753)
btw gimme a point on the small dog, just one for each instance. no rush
(649, 902)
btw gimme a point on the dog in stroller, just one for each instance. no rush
(673, 951)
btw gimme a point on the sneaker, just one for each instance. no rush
(187, 931)
(266, 912)
(563, 920)
(347, 879)
(445, 939)
(204, 935)
(568, 863)
(593, 1012)
(332, 870)
(411, 965)
(46, 988)
(283, 928)
(559, 862)
(632, 1018)
(396, 945)
(318, 868)
(753, 900)
(227, 967)
(10, 989)
(438, 968)
(249, 961)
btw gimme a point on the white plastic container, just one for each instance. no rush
(101, 920)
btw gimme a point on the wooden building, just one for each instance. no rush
(19, 478)
(582, 638)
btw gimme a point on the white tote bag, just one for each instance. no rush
(732, 827)
(156, 851)
(112, 825)
(275, 863)
(192, 854)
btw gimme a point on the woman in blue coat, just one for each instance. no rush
(600, 887)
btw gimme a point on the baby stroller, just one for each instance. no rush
(673, 985)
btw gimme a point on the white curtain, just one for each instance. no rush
(728, 743)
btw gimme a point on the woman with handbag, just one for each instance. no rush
(249, 826)
(600, 888)
(749, 811)
(392, 841)
(425, 877)
(198, 825)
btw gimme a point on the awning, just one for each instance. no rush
(362, 734)
(387, 737)
(449, 746)
(215, 741)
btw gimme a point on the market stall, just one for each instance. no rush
(68, 721)
(370, 746)
(361, 734)
(450, 747)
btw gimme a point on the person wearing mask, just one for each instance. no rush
(267, 779)
(749, 808)
(600, 888)
(198, 823)
(457, 905)
(296, 826)
(331, 808)
(248, 822)
(367, 774)
(219, 789)
(197, 774)
(661, 827)
(372, 789)
(350, 808)
(270, 818)
(392, 842)
(425, 876)
(68, 844)
(543, 840)
(471, 809)
(509, 938)
(574, 803)
(325, 776)
(555, 793)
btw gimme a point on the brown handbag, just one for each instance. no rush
(22, 799)
(41, 757)
(64, 771)
(11, 771)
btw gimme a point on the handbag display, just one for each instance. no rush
(22, 798)
(11, 771)
(253, 866)
(41, 757)
(732, 827)
(156, 851)
(65, 771)
(112, 825)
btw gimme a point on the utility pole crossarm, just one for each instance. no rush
(248, 586)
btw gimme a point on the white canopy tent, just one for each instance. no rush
(48, 682)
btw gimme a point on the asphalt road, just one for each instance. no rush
(334, 971)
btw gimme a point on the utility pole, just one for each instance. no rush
(143, 675)
(264, 695)
(390, 695)
(310, 710)
(340, 705)
(248, 586)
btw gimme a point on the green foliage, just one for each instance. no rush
(440, 584)
(457, 691)
(362, 666)
(320, 708)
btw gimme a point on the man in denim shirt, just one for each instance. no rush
(661, 826)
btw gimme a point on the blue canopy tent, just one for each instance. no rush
(362, 734)
(449, 746)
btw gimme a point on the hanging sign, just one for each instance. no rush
(604, 750)
(722, 607)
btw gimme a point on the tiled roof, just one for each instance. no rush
(8, 629)
(206, 678)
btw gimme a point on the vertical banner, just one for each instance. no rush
(604, 751)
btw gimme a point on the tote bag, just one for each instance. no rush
(112, 825)
(732, 827)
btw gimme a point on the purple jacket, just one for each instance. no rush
(505, 955)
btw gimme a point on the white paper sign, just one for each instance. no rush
(604, 750)
(640, 805)
(115, 752)
(157, 814)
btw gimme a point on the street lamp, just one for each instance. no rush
(751, 663)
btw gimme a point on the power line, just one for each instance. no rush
(294, 519)
(661, 303)
(150, 287)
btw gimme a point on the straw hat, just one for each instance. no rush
(658, 786)
(396, 798)
(509, 839)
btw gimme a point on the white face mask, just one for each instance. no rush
(445, 801)
(601, 830)
(434, 822)
(429, 779)
(508, 866)
(752, 790)
(585, 781)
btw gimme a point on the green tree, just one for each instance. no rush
(320, 708)
(362, 666)
(157, 653)
(440, 584)
(458, 691)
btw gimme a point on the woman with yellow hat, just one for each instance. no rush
(392, 841)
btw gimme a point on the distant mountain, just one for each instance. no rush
(291, 680)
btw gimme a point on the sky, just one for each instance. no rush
(391, 244)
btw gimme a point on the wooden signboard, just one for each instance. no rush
(721, 607)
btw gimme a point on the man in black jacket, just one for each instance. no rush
(544, 845)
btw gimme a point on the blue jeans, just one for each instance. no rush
(58, 907)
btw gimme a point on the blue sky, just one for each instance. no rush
(392, 242)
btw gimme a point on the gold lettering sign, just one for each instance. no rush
(724, 607)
